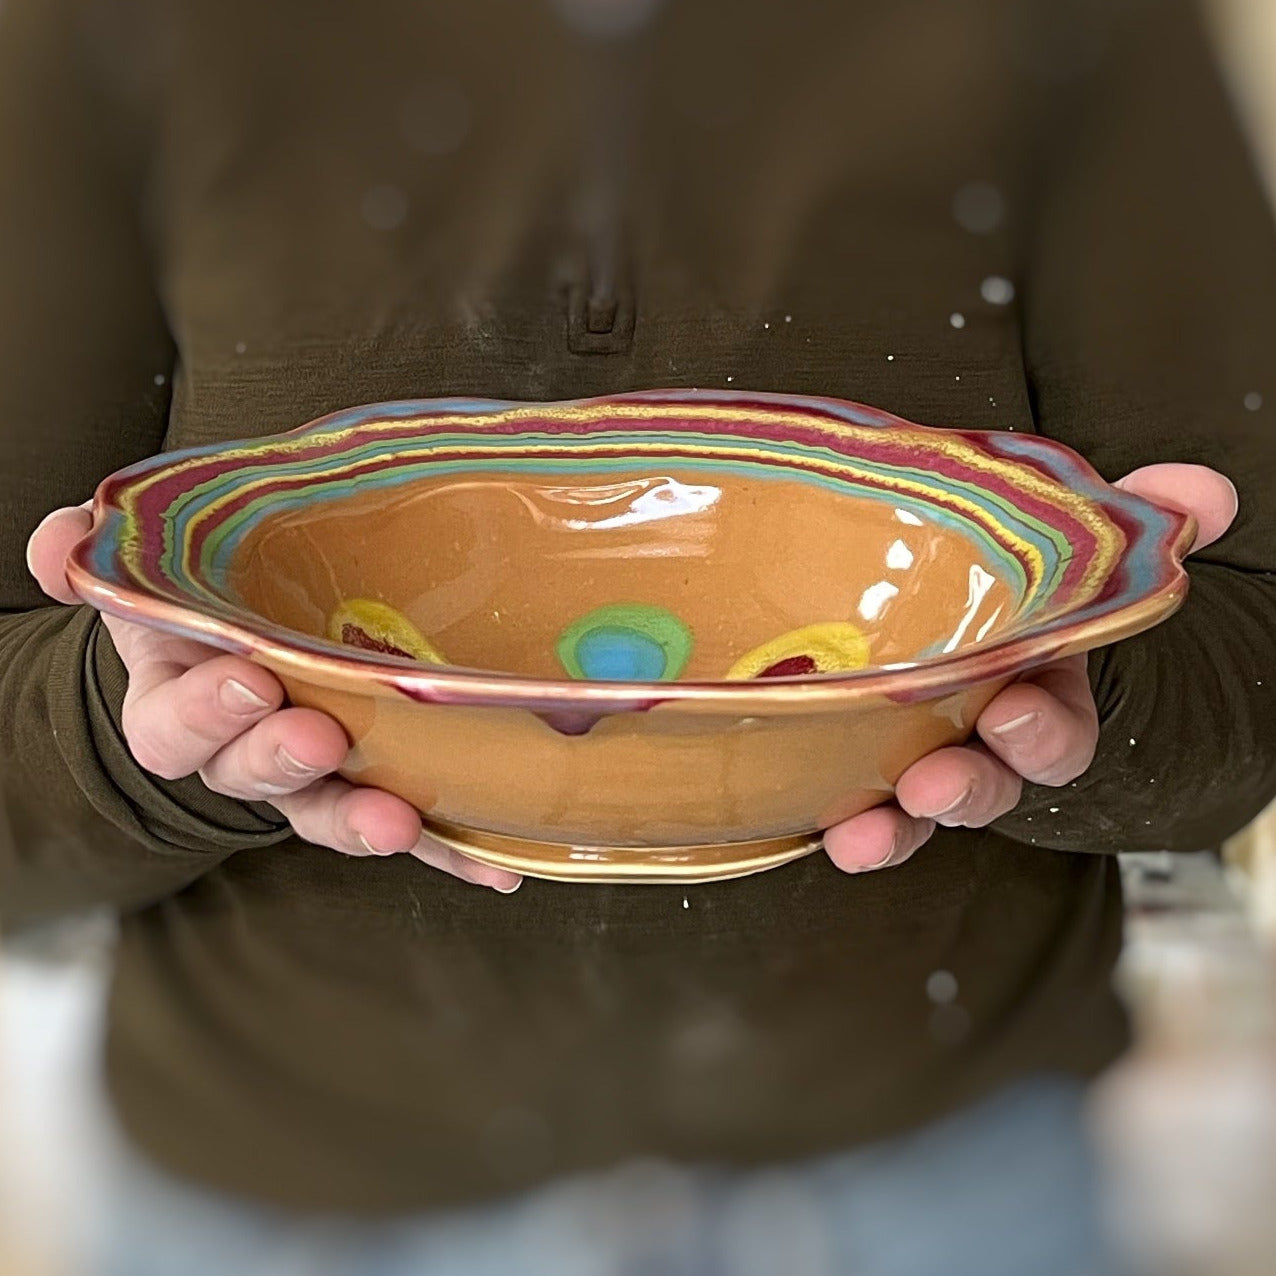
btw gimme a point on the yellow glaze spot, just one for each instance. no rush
(833, 647)
(376, 626)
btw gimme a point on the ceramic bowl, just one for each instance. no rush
(653, 637)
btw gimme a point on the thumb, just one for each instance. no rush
(49, 546)
(1208, 496)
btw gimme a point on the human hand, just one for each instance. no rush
(1043, 728)
(191, 709)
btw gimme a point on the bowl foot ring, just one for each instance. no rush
(565, 862)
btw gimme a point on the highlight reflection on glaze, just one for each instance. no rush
(640, 501)
(491, 570)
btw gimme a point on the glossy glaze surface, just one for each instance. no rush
(494, 570)
(656, 636)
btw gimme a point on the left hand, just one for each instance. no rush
(1043, 728)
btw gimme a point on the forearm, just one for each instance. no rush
(1149, 318)
(85, 372)
(1187, 754)
(80, 823)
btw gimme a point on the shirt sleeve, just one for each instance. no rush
(85, 366)
(1149, 312)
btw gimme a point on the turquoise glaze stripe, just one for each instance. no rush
(1141, 568)
(1143, 563)
(1048, 541)
(223, 540)
(220, 546)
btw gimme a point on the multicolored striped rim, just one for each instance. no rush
(1090, 563)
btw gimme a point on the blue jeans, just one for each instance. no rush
(1001, 1189)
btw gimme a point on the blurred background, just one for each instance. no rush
(1186, 1126)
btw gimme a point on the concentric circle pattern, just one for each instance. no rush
(626, 642)
(1084, 560)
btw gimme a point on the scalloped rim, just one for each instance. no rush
(931, 678)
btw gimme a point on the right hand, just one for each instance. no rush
(191, 709)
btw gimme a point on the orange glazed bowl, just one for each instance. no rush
(666, 636)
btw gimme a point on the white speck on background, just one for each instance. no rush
(731, 378)
(941, 986)
(979, 207)
(766, 325)
(958, 377)
(1133, 742)
(1054, 810)
(890, 358)
(997, 290)
(384, 207)
(160, 378)
(788, 318)
(686, 903)
(1253, 400)
(240, 347)
(957, 319)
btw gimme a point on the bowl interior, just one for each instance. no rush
(600, 574)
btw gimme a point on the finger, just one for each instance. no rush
(176, 719)
(49, 546)
(1045, 726)
(284, 753)
(358, 821)
(959, 787)
(429, 851)
(1208, 496)
(152, 656)
(354, 821)
(880, 838)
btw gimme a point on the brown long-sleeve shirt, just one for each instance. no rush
(222, 219)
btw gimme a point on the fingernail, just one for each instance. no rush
(953, 807)
(291, 766)
(508, 890)
(372, 850)
(237, 698)
(1017, 726)
(896, 845)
